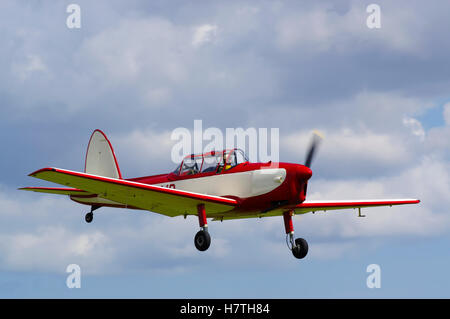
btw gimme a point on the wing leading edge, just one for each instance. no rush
(319, 205)
(166, 201)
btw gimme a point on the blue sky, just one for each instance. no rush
(139, 69)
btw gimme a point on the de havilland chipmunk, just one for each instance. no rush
(221, 185)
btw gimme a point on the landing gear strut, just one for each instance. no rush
(90, 216)
(299, 246)
(202, 239)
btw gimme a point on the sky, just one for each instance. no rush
(137, 70)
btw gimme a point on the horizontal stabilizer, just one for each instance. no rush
(56, 190)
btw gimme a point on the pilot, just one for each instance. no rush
(193, 169)
(190, 169)
(224, 165)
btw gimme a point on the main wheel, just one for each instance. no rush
(301, 248)
(89, 217)
(202, 240)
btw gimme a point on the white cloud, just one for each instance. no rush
(386, 110)
(246, 10)
(447, 113)
(415, 126)
(53, 248)
(158, 96)
(322, 28)
(204, 34)
(14, 204)
(159, 62)
(350, 147)
(49, 237)
(145, 241)
(366, 145)
(364, 111)
(143, 149)
(147, 52)
(330, 250)
(428, 181)
(32, 63)
(308, 29)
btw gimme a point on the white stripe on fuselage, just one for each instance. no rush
(242, 184)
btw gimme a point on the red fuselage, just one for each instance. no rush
(291, 191)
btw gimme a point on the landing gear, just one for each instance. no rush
(299, 246)
(90, 216)
(202, 239)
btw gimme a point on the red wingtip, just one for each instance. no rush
(46, 169)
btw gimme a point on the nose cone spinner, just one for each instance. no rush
(303, 173)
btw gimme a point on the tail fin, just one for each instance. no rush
(100, 157)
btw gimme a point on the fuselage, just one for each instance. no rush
(257, 186)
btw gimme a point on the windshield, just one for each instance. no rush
(191, 166)
(236, 157)
(210, 162)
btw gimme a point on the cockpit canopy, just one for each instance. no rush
(215, 161)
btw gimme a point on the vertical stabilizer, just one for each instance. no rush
(100, 157)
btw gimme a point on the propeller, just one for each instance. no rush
(315, 142)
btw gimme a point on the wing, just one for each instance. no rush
(166, 201)
(56, 190)
(320, 205)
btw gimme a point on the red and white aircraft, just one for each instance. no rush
(220, 185)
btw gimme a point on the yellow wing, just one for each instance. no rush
(166, 201)
(322, 205)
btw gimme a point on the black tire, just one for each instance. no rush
(301, 248)
(202, 240)
(89, 217)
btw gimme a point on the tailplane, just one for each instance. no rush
(100, 157)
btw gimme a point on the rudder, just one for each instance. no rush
(100, 157)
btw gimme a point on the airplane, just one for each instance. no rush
(222, 185)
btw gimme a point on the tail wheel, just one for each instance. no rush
(202, 240)
(301, 248)
(89, 217)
